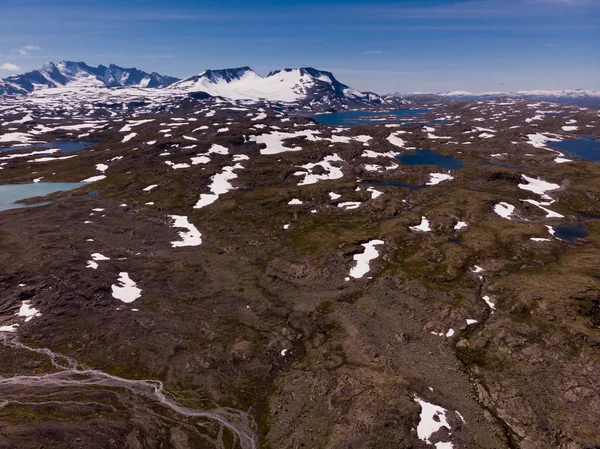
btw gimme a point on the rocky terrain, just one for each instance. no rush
(233, 274)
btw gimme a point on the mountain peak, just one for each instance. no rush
(227, 75)
(303, 84)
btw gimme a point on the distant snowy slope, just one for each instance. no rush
(67, 73)
(581, 97)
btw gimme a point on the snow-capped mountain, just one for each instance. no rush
(303, 84)
(72, 74)
(304, 87)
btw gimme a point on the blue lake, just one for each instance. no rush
(353, 118)
(585, 147)
(428, 157)
(65, 146)
(11, 193)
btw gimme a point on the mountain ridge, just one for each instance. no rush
(306, 86)
(286, 85)
(69, 73)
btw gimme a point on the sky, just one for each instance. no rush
(376, 45)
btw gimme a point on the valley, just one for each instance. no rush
(317, 268)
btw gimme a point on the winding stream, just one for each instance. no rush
(74, 375)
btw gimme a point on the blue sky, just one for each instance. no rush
(379, 45)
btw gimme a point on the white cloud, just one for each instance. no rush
(9, 66)
(24, 51)
(372, 52)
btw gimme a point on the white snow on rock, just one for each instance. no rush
(295, 202)
(538, 186)
(373, 167)
(95, 258)
(421, 227)
(430, 130)
(539, 239)
(101, 167)
(218, 149)
(570, 128)
(349, 205)
(27, 311)
(395, 140)
(460, 225)
(541, 187)
(375, 154)
(436, 178)
(33, 153)
(125, 290)
(470, 321)
(191, 237)
(374, 192)
(259, 116)
(505, 210)
(274, 140)
(200, 160)
(432, 419)
(219, 186)
(133, 123)
(549, 213)
(489, 302)
(128, 137)
(363, 259)
(331, 172)
(364, 139)
(150, 187)
(15, 137)
(95, 178)
(175, 166)
(52, 159)
(9, 328)
(334, 196)
(539, 141)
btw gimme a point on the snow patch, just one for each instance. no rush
(191, 237)
(363, 259)
(125, 290)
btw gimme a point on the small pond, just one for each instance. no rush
(65, 146)
(571, 232)
(428, 157)
(353, 118)
(11, 193)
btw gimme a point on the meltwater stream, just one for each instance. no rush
(76, 375)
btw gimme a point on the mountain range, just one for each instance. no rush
(297, 85)
(68, 73)
(291, 85)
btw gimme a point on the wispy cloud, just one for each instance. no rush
(372, 52)
(10, 67)
(24, 51)
(478, 9)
